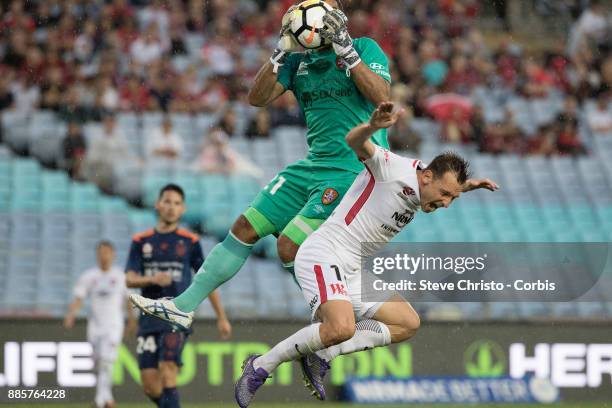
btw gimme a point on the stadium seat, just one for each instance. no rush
(84, 197)
(112, 205)
(15, 129)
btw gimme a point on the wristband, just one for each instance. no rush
(278, 59)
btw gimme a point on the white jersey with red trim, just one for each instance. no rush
(107, 294)
(382, 200)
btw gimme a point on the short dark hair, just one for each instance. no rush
(172, 187)
(450, 161)
(105, 243)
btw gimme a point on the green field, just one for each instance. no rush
(338, 405)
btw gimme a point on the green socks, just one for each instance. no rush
(223, 262)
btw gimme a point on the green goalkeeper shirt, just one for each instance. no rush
(331, 102)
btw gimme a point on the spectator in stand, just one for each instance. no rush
(401, 136)
(535, 82)
(74, 147)
(156, 13)
(71, 109)
(217, 156)
(53, 89)
(259, 127)
(109, 147)
(600, 118)
(86, 43)
(214, 96)
(461, 78)
(456, 129)
(6, 99)
(508, 61)
(16, 49)
(478, 125)
(545, 142)
(503, 137)
(26, 94)
(433, 68)
(227, 123)
(570, 110)
(219, 53)
(108, 94)
(149, 47)
(606, 72)
(568, 142)
(407, 61)
(134, 96)
(34, 65)
(196, 15)
(590, 28)
(6, 96)
(164, 143)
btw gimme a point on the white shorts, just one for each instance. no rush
(105, 345)
(323, 275)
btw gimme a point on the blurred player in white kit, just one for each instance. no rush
(104, 286)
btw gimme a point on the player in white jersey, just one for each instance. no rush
(104, 286)
(381, 201)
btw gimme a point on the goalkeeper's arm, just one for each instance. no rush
(267, 88)
(372, 86)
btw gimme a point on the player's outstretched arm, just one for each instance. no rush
(223, 325)
(135, 280)
(267, 88)
(359, 137)
(474, 184)
(73, 309)
(372, 86)
(132, 324)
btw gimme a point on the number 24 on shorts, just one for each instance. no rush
(146, 344)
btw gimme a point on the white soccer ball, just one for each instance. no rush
(307, 21)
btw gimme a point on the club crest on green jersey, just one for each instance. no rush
(329, 196)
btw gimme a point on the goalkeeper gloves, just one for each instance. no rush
(286, 43)
(335, 30)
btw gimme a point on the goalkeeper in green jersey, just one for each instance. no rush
(337, 87)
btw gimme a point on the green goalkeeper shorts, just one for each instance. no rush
(305, 188)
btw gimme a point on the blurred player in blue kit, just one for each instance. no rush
(162, 262)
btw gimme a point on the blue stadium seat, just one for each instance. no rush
(84, 197)
(15, 129)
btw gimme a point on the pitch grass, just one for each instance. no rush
(337, 405)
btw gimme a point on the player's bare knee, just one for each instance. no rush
(244, 231)
(167, 368)
(169, 372)
(407, 327)
(340, 331)
(152, 389)
(287, 249)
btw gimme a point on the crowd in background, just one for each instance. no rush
(87, 59)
